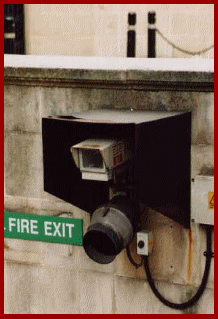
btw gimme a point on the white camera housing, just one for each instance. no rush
(98, 158)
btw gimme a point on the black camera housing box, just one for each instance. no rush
(161, 161)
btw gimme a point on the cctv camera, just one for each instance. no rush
(97, 159)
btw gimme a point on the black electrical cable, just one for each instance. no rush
(136, 265)
(196, 297)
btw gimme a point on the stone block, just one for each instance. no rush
(50, 23)
(96, 293)
(206, 303)
(22, 109)
(15, 203)
(169, 260)
(23, 164)
(106, 24)
(134, 296)
(61, 46)
(84, 46)
(59, 101)
(156, 101)
(54, 291)
(203, 119)
(77, 100)
(101, 98)
(106, 45)
(42, 253)
(169, 257)
(18, 288)
(23, 205)
(126, 99)
(180, 101)
(142, 44)
(201, 156)
(59, 255)
(185, 25)
(164, 50)
(22, 251)
(125, 268)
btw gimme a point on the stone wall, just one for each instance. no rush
(46, 278)
(101, 29)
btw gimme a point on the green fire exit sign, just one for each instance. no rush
(43, 228)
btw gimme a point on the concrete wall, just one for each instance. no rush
(101, 29)
(46, 278)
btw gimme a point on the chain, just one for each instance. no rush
(184, 51)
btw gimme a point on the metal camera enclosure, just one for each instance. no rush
(161, 158)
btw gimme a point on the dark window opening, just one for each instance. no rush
(14, 29)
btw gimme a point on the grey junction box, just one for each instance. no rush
(202, 200)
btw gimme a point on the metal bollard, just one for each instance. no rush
(151, 35)
(131, 35)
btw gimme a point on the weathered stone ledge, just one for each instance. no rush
(111, 73)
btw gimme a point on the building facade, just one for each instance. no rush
(101, 29)
(52, 278)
